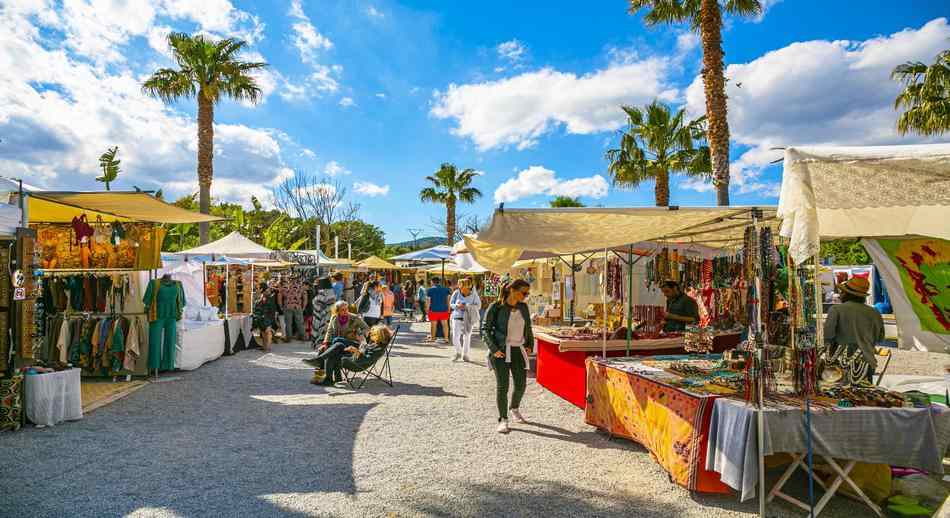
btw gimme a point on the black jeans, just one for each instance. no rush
(331, 356)
(370, 321)
(503, 371)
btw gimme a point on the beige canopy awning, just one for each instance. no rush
(62, 207)
(231, 245)
(564, 231)
(876, 191)
(376, 263)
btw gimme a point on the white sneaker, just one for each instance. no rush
(502, 426)
(457, 356)
(516, 414)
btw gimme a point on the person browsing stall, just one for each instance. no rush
(438, 296)
(681, 309)
(508, 335)
(854, 324)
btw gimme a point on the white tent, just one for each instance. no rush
(880, 191)
(310, 258)
(231, 245)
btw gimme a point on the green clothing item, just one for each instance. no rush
(354, 330)
(503, 371)
(169, 301)
(495, 326)
(855, 325)
(118, 345)
(681, 306)
(161, 353)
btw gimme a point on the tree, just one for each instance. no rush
(311, 197)
(658, 142)
(706, 16)
(566, 201)
(450, 186)
(464, 224)
(365, 238)
(109, 166)
(845, 252)
(926, 96)
(207, 70)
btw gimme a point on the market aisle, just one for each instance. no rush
(247, 435)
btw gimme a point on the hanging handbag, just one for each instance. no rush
(118, 233)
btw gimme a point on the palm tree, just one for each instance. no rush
(449, 186)
(926, 96)
(706, 16)
(208, 70)
(110, 166)
(658, 142)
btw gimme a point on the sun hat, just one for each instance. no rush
(858, 286)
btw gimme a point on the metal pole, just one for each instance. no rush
(253, 282)
(227, 290)
(760, 395)
(349, 251)
(603, 284)
(318, 249)
(573, 290)
(23, 208)
(629, 298)
(336, 246)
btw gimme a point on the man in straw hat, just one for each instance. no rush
(854, 324)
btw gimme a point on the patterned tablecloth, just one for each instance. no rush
(630, 400)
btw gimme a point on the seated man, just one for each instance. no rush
(345, 330)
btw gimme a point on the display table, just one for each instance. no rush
(237, 333)
(907, 437)
(199, 342)
(672, 424)
(560, 363)
(53, 397)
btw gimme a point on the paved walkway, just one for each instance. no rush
(247, 435)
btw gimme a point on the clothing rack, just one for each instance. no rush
(91, 271)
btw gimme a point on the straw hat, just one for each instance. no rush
(858, 286)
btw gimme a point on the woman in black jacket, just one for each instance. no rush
(507, 332)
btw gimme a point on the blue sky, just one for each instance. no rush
(380, 93)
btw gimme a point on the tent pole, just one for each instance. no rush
(227, 289)
(252, 288)
(760, 394)
(573, 291)
(603, 284)
(629, 298)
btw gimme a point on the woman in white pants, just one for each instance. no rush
(465, 305)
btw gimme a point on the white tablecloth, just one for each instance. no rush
(53, 397)
(199, 343)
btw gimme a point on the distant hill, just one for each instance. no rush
(422, 242)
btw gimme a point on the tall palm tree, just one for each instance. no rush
(207, 70)
(926, 96)
(706, 16)
(450, 186)
(658, 142)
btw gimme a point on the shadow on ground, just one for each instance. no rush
(164, 449)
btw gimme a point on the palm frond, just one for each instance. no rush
(169, 85)
(431, 195)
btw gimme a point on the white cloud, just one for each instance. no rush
(306, 39)
(370, 189)
(373, 12)
(346, 102)
(686, 41)
(381, 95)
(518, 110)
(59, 113)
(818, 92)
(322, 79)
(308, 153)
(334, 168)
(537, 180)
(512, 51)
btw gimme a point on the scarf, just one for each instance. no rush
(342, 320)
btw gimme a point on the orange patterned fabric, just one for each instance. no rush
(670, 423)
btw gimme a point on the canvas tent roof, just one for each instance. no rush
(375, 263)
(877, 191)
(435, 253)
(61, 207)
(231, 245)
(309, 257)
(453, 268)
(564, 231)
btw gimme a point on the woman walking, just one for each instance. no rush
(465, 306)
(507, 332)
(265, 315)
(389, 304)
(409, 291)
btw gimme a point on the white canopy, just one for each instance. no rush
(564, 231)
(231, 245)
(881, 191)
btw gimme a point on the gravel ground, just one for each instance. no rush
(247, 435)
